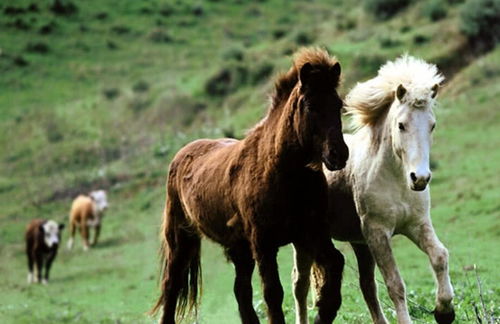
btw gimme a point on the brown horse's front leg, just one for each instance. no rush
(330, 263)
(244, 265)
(96, 234)
(271, 285)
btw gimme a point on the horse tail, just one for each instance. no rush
(317, 280)
(180, 261)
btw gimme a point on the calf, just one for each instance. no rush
(42, 241)
(87, 212)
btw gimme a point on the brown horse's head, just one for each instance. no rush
(318, 121)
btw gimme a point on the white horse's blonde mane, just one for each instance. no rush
(368, 100)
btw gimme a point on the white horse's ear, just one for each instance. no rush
(434, 90)
(400, 92)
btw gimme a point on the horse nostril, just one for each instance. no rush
(413, 177)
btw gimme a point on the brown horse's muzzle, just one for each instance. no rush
(335, 152)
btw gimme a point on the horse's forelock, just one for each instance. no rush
(286, 82)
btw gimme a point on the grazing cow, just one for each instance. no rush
(86, 212)
(42, 241)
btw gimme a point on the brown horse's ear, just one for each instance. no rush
(305, 73)
(335, 71)
(400, 92)
(434, 90)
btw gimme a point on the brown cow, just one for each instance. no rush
(86, 212)
(42, 241)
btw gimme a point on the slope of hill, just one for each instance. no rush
(102, 94)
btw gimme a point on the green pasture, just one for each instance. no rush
(104, 96)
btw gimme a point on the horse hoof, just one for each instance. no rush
(444, 318)
(318, 320)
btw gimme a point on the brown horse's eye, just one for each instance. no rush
(401, 127)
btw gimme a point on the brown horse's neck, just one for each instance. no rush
(276, 139)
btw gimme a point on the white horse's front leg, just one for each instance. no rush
(300, 278)
(426, 239)
(379, 241)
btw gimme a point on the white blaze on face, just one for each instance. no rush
(100, 199)
(51, 233)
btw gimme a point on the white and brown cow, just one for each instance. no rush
(42, 241)
(87, 212)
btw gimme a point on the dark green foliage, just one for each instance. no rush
(434, 10)
(279, 33)
(235, 53)
(37, 47)
(261, 72)
(304, 38)
(111, 93)
(226, 80)
(140, 86)
(120, 29)
(385, 9)
(63, 8)
(480, 22)
(159, 35)
(389, 42)
(420, 39)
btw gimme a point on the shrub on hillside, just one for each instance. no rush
(480, 22)
(261, 72)
(434, 10)
(37, 47)
(140, 86)
(159, 35)
(111, 93)
(226, 80)
(385, 9)
(233, 53)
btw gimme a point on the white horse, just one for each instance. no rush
(384, 189)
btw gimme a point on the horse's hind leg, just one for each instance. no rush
(271, 285)
(366, 267)
(181, 268)
(426, 239)
(300, 277)
(244, 265)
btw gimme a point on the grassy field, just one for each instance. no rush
(104, 96)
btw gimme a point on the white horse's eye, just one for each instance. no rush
(401, 127)
(432, 127)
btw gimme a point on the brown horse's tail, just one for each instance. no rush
(180, 261)
(317, 281)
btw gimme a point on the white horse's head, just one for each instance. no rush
(412, 122)
(101, 200)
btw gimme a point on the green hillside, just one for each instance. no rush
(101, 94)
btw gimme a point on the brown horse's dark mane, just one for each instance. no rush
(286, 82)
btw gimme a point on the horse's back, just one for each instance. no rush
(81, 208)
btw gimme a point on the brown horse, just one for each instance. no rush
(255, 195)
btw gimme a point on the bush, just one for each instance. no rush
(304, 38)
(233, 53)
(111, 93)
(226, 80)
(37, 47)
(140, 86)
(385, 9)
(159, 35)
(480, 22)
(434, 10)
(261, 72)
